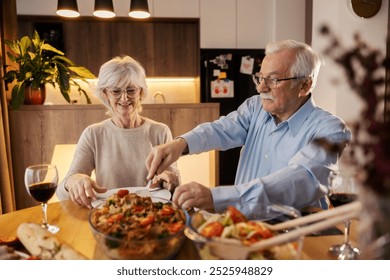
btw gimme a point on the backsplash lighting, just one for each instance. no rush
(161, 90)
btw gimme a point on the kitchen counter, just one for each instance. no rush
(101, 106)
(36, 129)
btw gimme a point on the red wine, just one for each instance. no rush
(339, 199)
(42, 192)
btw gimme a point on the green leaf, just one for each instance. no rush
(82, 72)
(65, 94)
(35, 36)
(86, 96)
(18, 95)
(13, 45)
(12, 57)
(64, 59)
(10, 76)
(81, 90)
(62, 79)
(25, 43)
(48, 47)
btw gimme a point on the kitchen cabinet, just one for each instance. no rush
(36, 129)
(166, 48)
(235, 23)
(253, 26)
(250, 24)
(175, 8)
(218, 24)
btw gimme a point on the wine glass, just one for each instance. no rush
(343, 190)
(41, 183)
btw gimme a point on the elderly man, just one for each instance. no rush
(280, 161)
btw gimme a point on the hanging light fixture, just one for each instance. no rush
(139, 9)
(104, 9)
(67, 8)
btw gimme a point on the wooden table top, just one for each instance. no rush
(75, 230)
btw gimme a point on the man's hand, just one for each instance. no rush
(164, 155)
(168, 180)
(193, 195)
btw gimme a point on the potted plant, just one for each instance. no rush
(40, 63)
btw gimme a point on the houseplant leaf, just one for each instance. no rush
(18, 95)
(82, 72)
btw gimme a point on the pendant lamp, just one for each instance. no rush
(67, 8)
(139, 9)
(104, 9)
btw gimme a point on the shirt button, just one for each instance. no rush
(266, 156)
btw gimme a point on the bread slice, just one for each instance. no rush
(44, 245)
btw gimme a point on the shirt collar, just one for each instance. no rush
(296, 121)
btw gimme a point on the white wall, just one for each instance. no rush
(338, 15)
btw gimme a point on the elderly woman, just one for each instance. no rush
(116, 148)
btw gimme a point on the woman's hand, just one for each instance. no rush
(82, 189)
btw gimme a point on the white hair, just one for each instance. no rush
(307, 63)
(121, 72)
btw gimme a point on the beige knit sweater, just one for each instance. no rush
(116, 154)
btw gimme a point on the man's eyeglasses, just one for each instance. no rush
(116, 93)
(271, 82)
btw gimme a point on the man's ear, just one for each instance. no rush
(306, 86)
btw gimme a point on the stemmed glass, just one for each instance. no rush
(343, 190)
(41, 183)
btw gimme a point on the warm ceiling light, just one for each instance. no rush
(67, 8)
(139, 9)
(104, 9)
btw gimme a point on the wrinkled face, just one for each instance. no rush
(281, 98)
(123, 101)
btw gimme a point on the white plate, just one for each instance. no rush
(141, 191)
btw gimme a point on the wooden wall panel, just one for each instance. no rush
(26, 142)
(160, 115)
(176, 43)
(136, 40)
(165, 48)
(88, 43)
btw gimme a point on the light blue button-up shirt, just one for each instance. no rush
(279, 163)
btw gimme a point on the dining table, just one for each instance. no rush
(75, 230)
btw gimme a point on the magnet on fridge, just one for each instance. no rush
(216, 72)
(247, 64)
(222, 88)
(222, 75)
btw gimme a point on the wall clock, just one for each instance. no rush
(366, 8)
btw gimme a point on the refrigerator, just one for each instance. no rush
(225, 76)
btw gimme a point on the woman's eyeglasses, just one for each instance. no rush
(116, 93)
